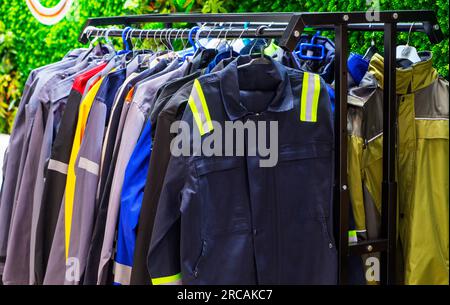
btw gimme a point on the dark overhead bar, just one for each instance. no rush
(253, 31)
(291, 24)
(174, 33)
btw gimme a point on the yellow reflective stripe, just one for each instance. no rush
(310, 97)
(204, 105)
(352, 236)
(166, 279)
(315, 101)
(304, 99)
(196, 115)
(200, 110)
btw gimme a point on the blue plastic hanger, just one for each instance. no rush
(307, 50)
(125, 42)
(192, 42)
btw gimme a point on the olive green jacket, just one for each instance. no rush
(422, 165)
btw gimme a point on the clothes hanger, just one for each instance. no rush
(125, 54)
(109, 43)
(181, 60)
(172, 54)
(91, 47)
(210, 43)
(372, 49)
(218, 39)
(135, 51)
(228, 46)
(160, 53)
(240, 35)
(228, 43)
(190, 39)
(408, 52)
(150, 55)
(184, 43)
(307, 50)
(125, 42)
(261, 59)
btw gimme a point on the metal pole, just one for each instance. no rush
(233, 33)
(389, 186)
(341, 203)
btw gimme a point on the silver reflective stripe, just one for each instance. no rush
(432, 119)
(309, 97)
(58, 166)
(176, 282)
(373, 138)
(122, 274)
(89, 166)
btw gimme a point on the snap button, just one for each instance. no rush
(255, 232)
(195, 273)
(330, 245)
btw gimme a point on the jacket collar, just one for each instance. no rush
(230, 85)
(411, 79)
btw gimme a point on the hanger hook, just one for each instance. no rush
(128, 34)
(131, 36)
(160, 37)
(258, 32)
(170, 40)
(197, 36)
(89, 31)
(167, 41)
(107, 35)
(372, 37)
(166, 32)
(409, 33)
(154, 40)
(139, 39)
(179, 33)
(228, 30)
(218, 37)
(242, 33)
(184, 41)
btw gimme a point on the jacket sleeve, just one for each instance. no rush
(355, 177)
(163, 259)
(130, 206)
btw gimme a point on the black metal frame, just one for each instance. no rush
(288, 28)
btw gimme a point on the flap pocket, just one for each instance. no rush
(305, 151)
(208, 165)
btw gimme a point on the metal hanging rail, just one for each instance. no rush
(288, 27)
(225, 31)
(357, 21)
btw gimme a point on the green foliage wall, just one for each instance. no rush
(38, 44)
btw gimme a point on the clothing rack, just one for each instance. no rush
(288, 27)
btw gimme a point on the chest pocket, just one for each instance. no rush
(222, 187)
(304, 181)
